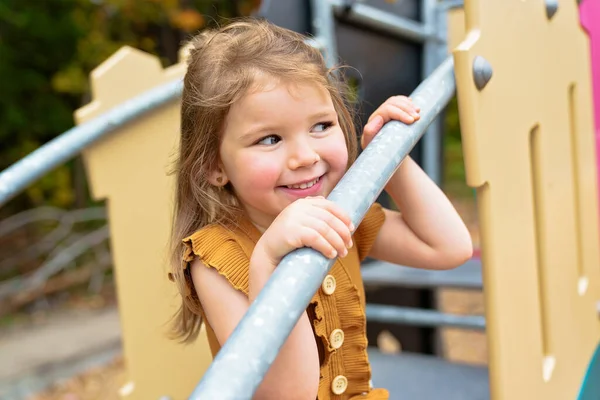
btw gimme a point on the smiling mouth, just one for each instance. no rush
(305, 185)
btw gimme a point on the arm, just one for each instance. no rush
(427, 232)
(308, 222)
(295, 372)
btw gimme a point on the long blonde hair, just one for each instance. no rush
(223, 65)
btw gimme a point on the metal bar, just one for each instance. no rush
(241, 364)
(421, 317)
(431, 149)
(451, 4)
(24, 172)
(381, 273)
(432, 138)
(372, 17)
(323, 25)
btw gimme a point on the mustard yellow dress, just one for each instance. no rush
(337, 310)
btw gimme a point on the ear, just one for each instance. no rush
(218, 177)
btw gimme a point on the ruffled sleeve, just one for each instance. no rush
(367, 231)
(218, 248)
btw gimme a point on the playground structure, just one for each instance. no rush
(528, 141)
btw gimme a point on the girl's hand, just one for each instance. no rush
(309, 222)
(400, 108)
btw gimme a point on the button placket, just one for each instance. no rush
(333, 325)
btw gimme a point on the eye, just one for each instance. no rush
(322, 126)
(269, 140)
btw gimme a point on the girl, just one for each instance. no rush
(265, 137)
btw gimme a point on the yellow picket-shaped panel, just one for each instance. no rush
(129, 168)
(529, 150)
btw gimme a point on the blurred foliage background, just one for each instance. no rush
(47, 50)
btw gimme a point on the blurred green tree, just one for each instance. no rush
(47, 50)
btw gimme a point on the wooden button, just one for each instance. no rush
(328, 285)
(336, 338)
(339, 384)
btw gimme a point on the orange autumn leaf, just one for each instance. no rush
(187, 20)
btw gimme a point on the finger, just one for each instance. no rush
(406, 104)
(394, 112)
(374, 126)
(335, 230)
(413, 103)
(313, 239)
(400, 101)
(336, 211)
(399, 111)
(341, 230)
(329, 234)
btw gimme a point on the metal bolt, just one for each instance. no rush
(551, 8)
(482, 72)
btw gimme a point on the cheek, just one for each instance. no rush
(254, 173)
(335, 152)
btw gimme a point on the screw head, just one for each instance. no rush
(482, 72)
(551, 8)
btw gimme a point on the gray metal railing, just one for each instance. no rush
(266, 325)
(32, 167)
(414, 316)
(380, 20)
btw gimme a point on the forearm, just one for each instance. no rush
(295, 371)
(426, 209)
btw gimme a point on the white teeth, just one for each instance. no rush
(303, 185)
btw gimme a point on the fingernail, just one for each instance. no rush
(351, 226)
(350, 243)
(333, 254)
(345, 253)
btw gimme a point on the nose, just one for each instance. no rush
(301, 154)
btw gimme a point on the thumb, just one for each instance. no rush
(373, 126)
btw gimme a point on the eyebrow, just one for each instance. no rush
(265, 128)
(256, 132)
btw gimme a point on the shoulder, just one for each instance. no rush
(207, 241)
(222, 249)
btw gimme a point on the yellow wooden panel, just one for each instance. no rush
(456, 27)
(529, 150)
(129, 169)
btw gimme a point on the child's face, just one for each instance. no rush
(277, 139)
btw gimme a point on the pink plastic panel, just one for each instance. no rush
(590, 11)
